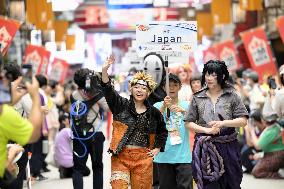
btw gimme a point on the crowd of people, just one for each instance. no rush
(210, 127)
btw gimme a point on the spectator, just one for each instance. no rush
(278, 101)
(63, 153)
(14, 127)
(270, 142)
(248, 150)
(255, 95)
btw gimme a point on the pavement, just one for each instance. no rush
(54, 182)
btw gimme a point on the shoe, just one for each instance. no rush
(40, 177)
(45, 169)
(61, 173)
(281, 173)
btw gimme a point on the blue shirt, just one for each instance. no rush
(179, 153)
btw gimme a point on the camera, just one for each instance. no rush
(27, 72)
(271, 82)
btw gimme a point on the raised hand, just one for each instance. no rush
(167, 101)
(17, 90)
(33, 87)
(109, 61)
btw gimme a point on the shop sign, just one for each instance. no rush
(128, 4)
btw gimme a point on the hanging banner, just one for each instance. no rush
(38, 57)
(8, 29)
(280, 26)
(44, 63)
(209, 54)
(259, 52)
(166, 36)
(59, 70)
(226, 51)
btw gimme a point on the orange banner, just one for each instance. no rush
(8, 29)
(209, 54)
(259, 52)
(226, 51)
(60, 27)
(38, 57)
(59, 70)
(205, 24)
(251, 5)
(221, 11)
(280, 26)
(70, 42)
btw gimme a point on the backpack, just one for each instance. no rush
(79, 122)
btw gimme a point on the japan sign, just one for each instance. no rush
(166, 36)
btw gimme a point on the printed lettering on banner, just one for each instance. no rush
(5, 38)
(166, 36)
(8, 29)
(258, 49)
(229, 57)
(34, 59)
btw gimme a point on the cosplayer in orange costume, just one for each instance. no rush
(139, 132)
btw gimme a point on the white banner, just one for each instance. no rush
(166, 36)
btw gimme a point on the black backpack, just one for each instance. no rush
(80, 123)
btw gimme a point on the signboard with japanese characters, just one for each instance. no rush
(59, 70)
(173, 38)
(8, 29)
(258, 51)
(226, 51)
(38, 57)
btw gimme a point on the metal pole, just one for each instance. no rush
(167, 81)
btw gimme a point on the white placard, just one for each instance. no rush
(166, 36)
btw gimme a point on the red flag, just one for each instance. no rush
(44, 63)
(226, 51)
(259, 52)
(38, 57)
(209, 54)
(59, 70)
(8, 29)
(280, 26)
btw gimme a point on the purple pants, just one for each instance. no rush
(233, 175)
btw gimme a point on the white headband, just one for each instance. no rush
(142, 82)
